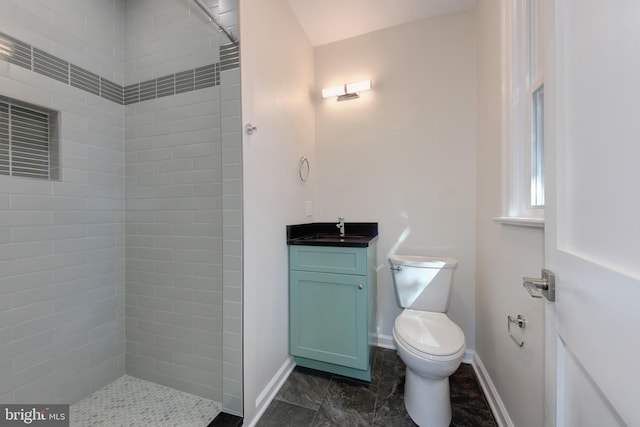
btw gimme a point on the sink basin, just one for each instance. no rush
(330, 239)
(333, 237)
(359, 234)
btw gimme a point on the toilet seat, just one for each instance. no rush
(433, 335)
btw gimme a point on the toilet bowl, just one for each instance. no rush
(432, 347)
(427, 341)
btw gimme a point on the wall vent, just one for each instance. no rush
(28, 140)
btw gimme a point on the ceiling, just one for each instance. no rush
(327, 21)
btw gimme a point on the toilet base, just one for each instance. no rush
(427, 400)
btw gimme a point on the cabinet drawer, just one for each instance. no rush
(328, 259)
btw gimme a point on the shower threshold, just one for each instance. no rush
(132, 402)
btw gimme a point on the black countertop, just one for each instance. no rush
(357, 234)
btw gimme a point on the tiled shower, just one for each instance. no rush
(131, 261)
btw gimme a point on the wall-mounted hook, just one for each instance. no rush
(250, 129)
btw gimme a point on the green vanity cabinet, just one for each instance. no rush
(332, 308)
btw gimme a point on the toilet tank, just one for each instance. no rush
(423, 283)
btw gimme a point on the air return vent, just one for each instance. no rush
(28, 140)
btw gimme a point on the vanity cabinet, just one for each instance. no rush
(332, 308)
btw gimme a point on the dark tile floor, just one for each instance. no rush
(312, 398)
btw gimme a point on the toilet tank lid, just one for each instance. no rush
(423, 261)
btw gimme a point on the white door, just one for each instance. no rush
(592, 218)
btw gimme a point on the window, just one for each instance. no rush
(525, 104)
(537, 148)
(28, 140)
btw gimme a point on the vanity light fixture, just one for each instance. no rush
(347, 91)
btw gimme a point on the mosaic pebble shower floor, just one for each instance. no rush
(132, 402)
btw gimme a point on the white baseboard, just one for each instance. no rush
(385, 341)
(495, 402)
(270, 391)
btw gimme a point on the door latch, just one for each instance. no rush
(541, 286)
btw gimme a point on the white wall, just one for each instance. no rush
(504, 253)
(403, 154)
(277, 88)
(62, 251)
(421, 154)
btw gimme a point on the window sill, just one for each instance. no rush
(521, 221)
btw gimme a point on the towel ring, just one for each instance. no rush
(303, 169)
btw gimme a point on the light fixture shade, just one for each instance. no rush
(358, 86)
(347, 91)
(333, 91)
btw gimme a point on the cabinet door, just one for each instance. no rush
(328, 317)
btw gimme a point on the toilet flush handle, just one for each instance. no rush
(398, 268)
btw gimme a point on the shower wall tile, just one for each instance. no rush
(62, 242)
(32, 58)
(91, 36)
(174, 241)
(29, 57)
(228, 13)
(178, 34)
(232, 240)
(62, 264)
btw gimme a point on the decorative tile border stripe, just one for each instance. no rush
(85, 80)
(172, 84)
(131, 94)
(185, 81)
(207, 76)
(229, 56)
(15, 51)
(50, 66)
(111, 91)
(29, 57)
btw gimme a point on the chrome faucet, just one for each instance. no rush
(340, 225)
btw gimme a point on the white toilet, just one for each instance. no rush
(428, 342)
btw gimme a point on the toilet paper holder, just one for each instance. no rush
(521, 322)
